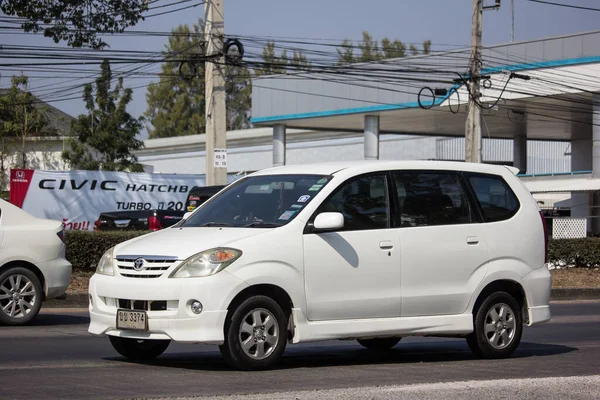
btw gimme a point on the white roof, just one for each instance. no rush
(553, 200)
(568, 183)
(328, 168)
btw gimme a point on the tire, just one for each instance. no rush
(21, 296)
(251, 341)
(139, 350)
(501, 315)
(379, 344)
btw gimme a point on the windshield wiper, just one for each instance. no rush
(259, 224)
(209, 224)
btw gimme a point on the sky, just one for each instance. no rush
(444, 22)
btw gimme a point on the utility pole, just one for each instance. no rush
(512, 27)
(216, 129)
(473, 124)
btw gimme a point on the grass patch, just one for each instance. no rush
(79, 281)
(576, 278)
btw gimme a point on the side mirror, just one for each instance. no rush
(187, 214)
(329, 221)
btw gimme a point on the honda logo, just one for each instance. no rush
(20, 174)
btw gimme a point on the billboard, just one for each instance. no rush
(78, 197)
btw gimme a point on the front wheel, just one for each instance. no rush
(20, 296)
(139, 350)
(498, 325)
(379, 344)
(255, 334)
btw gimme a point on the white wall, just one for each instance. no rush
(41, 154)
(543, 157)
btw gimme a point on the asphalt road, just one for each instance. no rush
(56, 358)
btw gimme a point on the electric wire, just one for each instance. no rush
(564, 5)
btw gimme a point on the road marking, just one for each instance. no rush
(74, 365)
(580, 387)
(564, 319)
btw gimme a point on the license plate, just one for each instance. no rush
(128, 319)
(122, 223)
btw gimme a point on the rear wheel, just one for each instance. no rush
(20, 296)
(255, 334)
(139, 350)
(379, 344)
(497, 327)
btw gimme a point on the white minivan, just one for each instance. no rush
(372, 251)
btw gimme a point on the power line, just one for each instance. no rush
(176, 10)
(564, 5)
(399, 73)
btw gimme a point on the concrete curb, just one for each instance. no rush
(80, 300)
(73, 300)
(575, 294)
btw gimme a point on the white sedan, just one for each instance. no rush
(32, 264)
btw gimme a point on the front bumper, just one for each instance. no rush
(57, 275)
(538, 286)
(177, 322)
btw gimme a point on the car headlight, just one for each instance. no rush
(206, 263)
(106, 264)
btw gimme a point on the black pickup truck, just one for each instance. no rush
(153, 220)
(141, 220)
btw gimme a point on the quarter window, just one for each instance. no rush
(431, 198)
(497, 200)
(363, 202)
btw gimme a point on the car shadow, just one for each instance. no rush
(341, 355)
(342, 247)
(47, 319)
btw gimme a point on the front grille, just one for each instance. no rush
(152, 266)
(143, 305)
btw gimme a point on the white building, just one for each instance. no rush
(44, 153)
(251, 150)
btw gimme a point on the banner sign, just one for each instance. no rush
(78, 197)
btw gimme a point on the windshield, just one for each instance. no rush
(259, 201)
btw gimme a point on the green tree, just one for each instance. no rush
(346, 52)
(395, 49)
(238, 92)
(78, 22)
(298, 60)
(176, 103)
(104, 138)
(273, 64)
(427, 47)
(22, 117)
(414, 51)
(369, 50)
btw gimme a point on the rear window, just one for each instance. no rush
(497, 200)
(431, 198)
(199, 195)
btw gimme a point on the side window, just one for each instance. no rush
(363, 202)
(431, 198)
(497, 200)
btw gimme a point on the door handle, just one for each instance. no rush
(386, 245)
(472, 240)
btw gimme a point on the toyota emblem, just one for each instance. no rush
(138, 264)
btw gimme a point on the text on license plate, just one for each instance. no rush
(128, 319)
